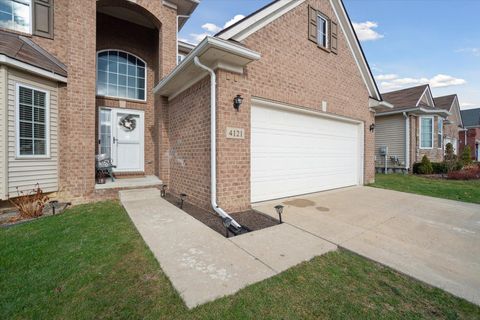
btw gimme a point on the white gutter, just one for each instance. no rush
(32, 69)
(223, 45)
(213, 143)
(421, 110)
(407, 140)
(373, 103)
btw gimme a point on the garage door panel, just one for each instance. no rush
(295, 153)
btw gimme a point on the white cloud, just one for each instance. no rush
(383, 77)
(198, 37)
(210, 27)
(235, 19)
(468, 105)
(365, 31)
(394, 82)
(474, 51)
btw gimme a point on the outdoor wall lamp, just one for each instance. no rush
(237, 101)
(182, 199)
(372, 127)
(279, 209)
(163, 191)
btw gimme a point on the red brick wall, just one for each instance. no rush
(189, 144)
(473, 135)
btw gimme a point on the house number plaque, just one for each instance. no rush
(235, 133)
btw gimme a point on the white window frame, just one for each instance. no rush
(117, 97)
(30, 27)
(440, 132)
(17, 122)
(433, 131)
(327, 31)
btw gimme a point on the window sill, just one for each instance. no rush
(324, 48)
(32, 157)
(21, 33)
(121, 99)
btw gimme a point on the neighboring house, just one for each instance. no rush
(453, 125)
(413, 128)
(471, 135)
(305, 123)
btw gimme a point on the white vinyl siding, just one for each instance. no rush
(3, 131)
(390, 132)
(25, 173)
(426, 132)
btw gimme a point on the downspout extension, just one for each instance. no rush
(407, 141)
(213, 147)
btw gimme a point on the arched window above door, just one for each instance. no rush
(121, 75)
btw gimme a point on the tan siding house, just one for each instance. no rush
(393, 129)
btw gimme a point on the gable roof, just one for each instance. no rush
(471, 118)
(409, 97)
(445, 102)
(274, 10)
(22, 49)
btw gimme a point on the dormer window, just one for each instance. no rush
(322, 31)
(16, 15)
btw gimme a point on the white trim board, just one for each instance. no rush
(31, 69)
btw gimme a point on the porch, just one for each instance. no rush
(127, 183)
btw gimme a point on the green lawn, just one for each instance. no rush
(468, 191)
(90, 263)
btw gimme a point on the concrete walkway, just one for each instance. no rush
(434, 240)
(202, 264)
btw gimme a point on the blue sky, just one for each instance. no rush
(407, 42)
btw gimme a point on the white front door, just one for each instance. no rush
(121, 135)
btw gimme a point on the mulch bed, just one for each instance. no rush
(251, 219)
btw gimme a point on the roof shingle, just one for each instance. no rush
(444, 102)
(406, 97)
(23, 49)
(471, 117)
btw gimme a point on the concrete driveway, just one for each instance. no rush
(434, 240)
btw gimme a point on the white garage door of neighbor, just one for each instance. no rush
(295, 153)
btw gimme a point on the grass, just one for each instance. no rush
(91, 263)
(468, 191)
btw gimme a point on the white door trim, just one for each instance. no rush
(113, 134)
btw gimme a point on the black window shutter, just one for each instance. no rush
(312, 24)
(42, 24)
(333, 37)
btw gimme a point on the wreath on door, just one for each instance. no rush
(128, 122)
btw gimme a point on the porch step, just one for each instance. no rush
(147, 181)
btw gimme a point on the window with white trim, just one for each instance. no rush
(32, 122)
(322, 31)
(426, 132)
(440, 133)
(16, 15)
(120, 75)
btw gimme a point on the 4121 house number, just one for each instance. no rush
(235, 133)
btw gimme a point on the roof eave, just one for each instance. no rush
(6, 60)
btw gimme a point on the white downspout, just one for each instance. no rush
(407, 141)
(213, 143)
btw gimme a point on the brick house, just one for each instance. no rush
(471, 135)
(417, 125)
(286, 92)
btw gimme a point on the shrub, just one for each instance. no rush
(425, 166)
(31, 204)
(466, 155)
(440, 167)
(471, 173)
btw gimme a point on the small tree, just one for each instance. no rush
(467, 155)
(425, 166)
(450, 158)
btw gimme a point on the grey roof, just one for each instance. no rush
(444, 102)
(406, 97)
(23, 49)
(471, 117)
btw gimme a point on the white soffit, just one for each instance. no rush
(214, 53)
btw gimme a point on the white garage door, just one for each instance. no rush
(294, 153)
